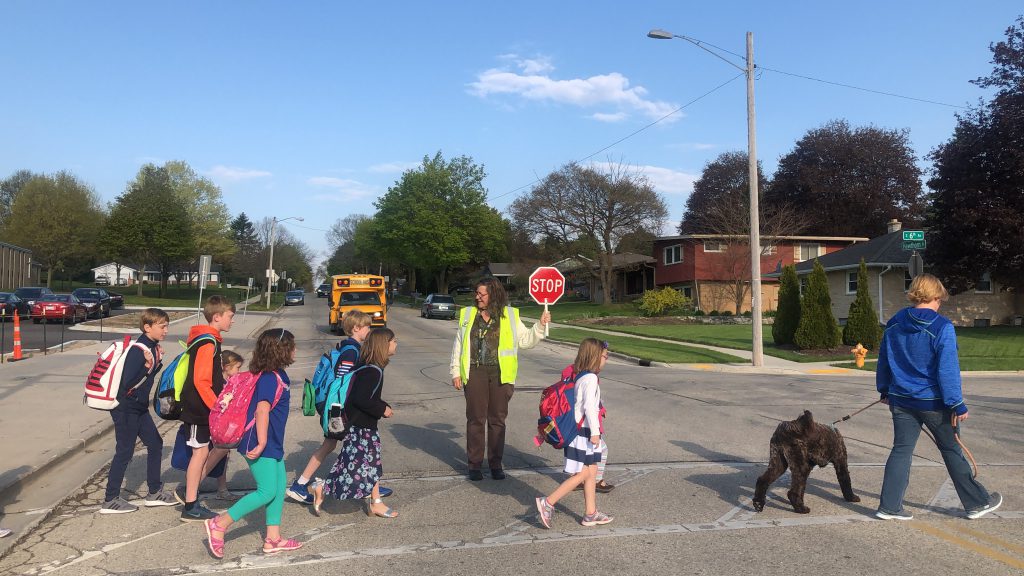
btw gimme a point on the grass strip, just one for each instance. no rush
(649, 349)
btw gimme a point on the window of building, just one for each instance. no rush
(714, 246)
(673, 254)
(767, 249)
(851, 282)
(984, 286)
(907, 280)
(808, 252)
(803, 285)
(688, 292)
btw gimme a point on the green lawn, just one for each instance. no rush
(995, 348)
(565, 311)
(650, 350)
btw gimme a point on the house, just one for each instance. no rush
(712, 269)
(888, 266)
(125, 274)
(632, 274)
(503, 271)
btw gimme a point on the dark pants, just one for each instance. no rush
(131, 423)
(486, 403)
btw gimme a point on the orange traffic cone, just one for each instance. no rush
(17, 336)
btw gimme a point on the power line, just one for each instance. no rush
(852, 87)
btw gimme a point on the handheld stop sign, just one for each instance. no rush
(546, 286)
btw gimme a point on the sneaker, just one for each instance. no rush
(161, 498)
(385, 492)
(227, 496)
(179, 494)
(995, 500)
(904, 515)
(544, 509)
(198, 513)
(299, 493)
(5, 532)
(476, 475)
(596, 519)
(118, 506)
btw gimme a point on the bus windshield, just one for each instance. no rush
(360, 299)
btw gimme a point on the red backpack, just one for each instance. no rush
(229, 415)
(557, 423)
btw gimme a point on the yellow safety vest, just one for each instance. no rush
(508, 343)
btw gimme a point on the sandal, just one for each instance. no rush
(215, 544)
(388, 513)
(280, 545)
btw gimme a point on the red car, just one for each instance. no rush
(62, 307)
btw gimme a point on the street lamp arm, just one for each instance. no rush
(659, 34)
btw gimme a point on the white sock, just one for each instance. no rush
(303, 480)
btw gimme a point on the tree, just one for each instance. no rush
(291, 255)
(577, 203)
(862, 320)
(818, 327)
(787, 316)
(834, 171)
(245, 264)
(149, 224)
(978, 178)
(436, 218)
(9, 189)
(341, 242)
(58, 217)
(207, 214)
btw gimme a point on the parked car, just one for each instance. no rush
(96, 299)
(438, 306)
(32, 293)
(10, 304)
(116, 300)
(323, 290)
(295, 298)
(463, 289)
(63, 307)
(103, 280)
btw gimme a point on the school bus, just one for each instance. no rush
(364, 292)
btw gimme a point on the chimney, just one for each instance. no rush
(894, 226)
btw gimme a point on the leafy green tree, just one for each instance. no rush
(818, 327)
(976, 220)
(436, 218)
(58, 217)
(787, 316)
(245, 262)
(862, 321)
(149, 224)
(9, 189)
(207, 214)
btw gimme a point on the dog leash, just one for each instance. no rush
(953, 422)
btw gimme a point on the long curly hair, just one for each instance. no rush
(274, 351)
(498, 297)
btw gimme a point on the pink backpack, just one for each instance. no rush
(229, 415)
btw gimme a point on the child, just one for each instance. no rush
(584, 453)
(357, 325)
(262, 445)
(198, 396)
(357, 472)
(232, 364)
(601, 486)
(132, 420)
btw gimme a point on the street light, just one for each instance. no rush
(757, 353)
(270, 266)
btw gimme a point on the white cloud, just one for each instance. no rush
(392, 167)
(616, 117)
(346, 189)
(664, 180)
(233, 174)
(535, 83)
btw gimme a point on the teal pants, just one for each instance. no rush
(271, 480)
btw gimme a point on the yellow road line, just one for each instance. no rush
(993, 540)
(967, 544)
(828, 371)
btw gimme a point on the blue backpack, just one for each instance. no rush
(334, 420)
(323, 376)
(557, 424)
(167, 395)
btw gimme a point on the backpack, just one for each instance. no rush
(104, 380)
(557, 425)
(167, 394)
(323, 376)
(229, 414)
(333, 419)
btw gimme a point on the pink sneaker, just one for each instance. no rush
(545, 511)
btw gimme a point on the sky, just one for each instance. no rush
(314, 109)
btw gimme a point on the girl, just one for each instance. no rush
(357, 472)
(232, 362)
(584, 453)
(263, 445)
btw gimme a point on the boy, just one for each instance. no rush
(204, 382)
(132, 420)
(357, 325)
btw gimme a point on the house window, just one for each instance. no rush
(907, 280)
(984, 286)
(688, 292)
(808, 252)
(803, 285)
(714, 246)
(673, 254)
(851, 282)
(767, 249)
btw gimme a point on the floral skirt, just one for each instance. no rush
(358, 467)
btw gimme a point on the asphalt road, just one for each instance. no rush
(686, 448)
(49, 334)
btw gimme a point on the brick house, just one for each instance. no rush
(710, 268)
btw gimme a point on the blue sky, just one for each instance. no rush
(314, 109)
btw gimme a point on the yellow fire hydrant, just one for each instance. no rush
(858, 354)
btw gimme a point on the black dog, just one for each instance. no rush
(801, 444)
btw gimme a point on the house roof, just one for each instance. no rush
(880, 252)
(151, 268)
(622, 260)
(500, 269)
(763, 237)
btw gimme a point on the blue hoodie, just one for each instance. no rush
(918, 368)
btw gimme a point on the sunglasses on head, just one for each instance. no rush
(604, 345)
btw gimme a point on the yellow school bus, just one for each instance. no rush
(364, 292)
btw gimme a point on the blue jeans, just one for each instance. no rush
(131, 423)
(906, 425)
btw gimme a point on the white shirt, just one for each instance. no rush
(588, 402)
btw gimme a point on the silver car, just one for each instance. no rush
(438, 306)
